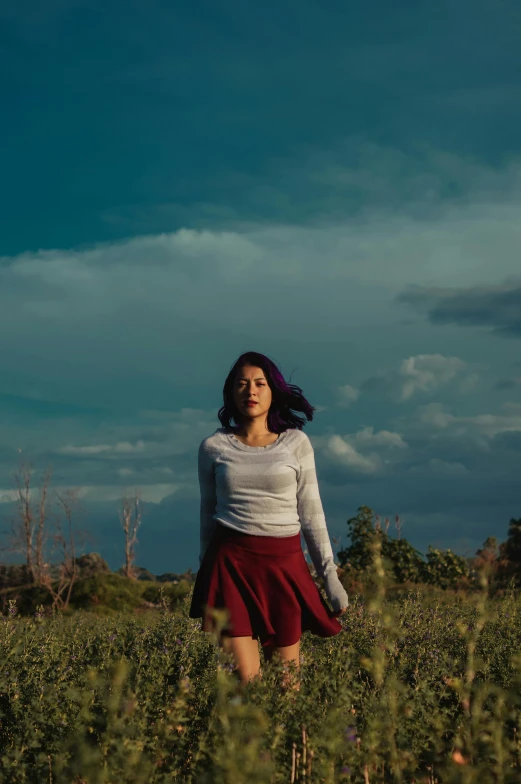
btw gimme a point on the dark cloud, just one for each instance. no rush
(497, 307)
(509, 440)
(508, 383)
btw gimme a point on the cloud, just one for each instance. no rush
(152, 493)
(494, 306)
(366, 437)
(508, 383)
(427, 373)
(437, 466)
(363, 452)
(129, 305)
(123, 447)
(141, 326)
(352, 180)
(347, 395)
(420, 375)
(433, 421)
(346, 454)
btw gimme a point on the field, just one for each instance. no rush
(414, 689)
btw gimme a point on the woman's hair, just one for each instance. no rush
(285, 397)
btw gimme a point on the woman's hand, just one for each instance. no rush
(340, 612)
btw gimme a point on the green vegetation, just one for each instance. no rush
(412, 690)
(103, 593)
(422, 685)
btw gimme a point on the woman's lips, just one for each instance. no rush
(252, 404)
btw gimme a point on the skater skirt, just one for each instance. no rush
(265, 584)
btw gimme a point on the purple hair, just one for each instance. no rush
(285, 397)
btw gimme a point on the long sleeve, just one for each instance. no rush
(313, 524)
(208, 499)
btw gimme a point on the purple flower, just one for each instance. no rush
(112, 637)
(350, 734)
(179, 641)
(346, 769)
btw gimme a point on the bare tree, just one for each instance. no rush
(33, 536)
(22, 528)
(60, 584)
(41, 533)
(130, 521)
(27, 534)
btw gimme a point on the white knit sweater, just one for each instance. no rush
(267, 491)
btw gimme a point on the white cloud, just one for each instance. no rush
(346, 455)
(347, 395)
(122, 447)
(383, 438)
(357, 451)
(426, 373)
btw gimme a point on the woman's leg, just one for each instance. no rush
(245, 650)
(288, 653)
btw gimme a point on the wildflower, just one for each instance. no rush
(350, 734)
(458, 757)
(346, 769)
(111, 637)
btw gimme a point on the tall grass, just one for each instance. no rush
(412, 690)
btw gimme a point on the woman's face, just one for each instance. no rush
(251, 384)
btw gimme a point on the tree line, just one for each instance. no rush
(404, 564)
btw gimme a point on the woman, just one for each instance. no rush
(259, 490)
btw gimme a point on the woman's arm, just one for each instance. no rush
(313, 524)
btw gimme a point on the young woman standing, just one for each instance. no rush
(259, 490)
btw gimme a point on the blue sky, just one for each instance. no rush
(336, 185)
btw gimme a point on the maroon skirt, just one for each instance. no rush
(265, 584)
